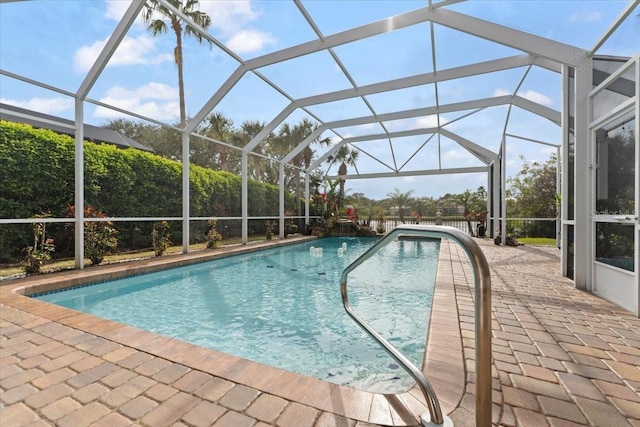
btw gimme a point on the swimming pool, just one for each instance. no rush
(282, 307)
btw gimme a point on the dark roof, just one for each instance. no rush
(92, 133)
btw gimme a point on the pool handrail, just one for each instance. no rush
(482, 284)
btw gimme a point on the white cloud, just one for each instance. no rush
(370, 126)
(116, 9)
(229, 16)
(132, 50)
(513, 165)
(232, 19)
(428, 122)
(249, 40)
(534, 96)
(585, 16)
(42, 105)
(501, 92)
(459, 155)
(154, 100)
(531, 95)
(151, 90)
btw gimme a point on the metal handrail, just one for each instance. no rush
(482, 283)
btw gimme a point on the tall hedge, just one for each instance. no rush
(37, 175)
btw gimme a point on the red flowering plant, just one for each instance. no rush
(351, 212)
(100, 237)
(331, 199)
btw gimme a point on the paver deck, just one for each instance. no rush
(561, 357)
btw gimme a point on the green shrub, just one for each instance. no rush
(160, 237)
(37, 175)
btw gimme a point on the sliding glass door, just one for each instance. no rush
(615, 188)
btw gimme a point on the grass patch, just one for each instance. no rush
(537, 241)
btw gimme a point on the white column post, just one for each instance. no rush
(244, 200)
(281, 201)
(186, 160)
(637, 203)
(307, 197)
(503, 190)
(79, 185)
(489, 223)
(558, 191)
(565, 190)
(497, 195)
(583, 231)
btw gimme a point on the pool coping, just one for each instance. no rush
(444, 362)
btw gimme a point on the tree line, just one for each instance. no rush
(264, 163)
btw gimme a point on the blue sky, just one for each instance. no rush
(56, 42)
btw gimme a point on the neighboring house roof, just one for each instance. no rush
(92, 133)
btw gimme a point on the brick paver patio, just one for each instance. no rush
(561, 357)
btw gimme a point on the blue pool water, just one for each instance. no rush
(282, 307)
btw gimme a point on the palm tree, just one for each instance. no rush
(424, 206)
(159, 26)
(288, 138)
(220, 127)
(346, 157)
(466, 199)
(315, 180)
(400, 200)
(248, 130)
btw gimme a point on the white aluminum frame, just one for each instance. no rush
(597, 269)
(537, 51)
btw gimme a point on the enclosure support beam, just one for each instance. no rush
(583, 235)
(538, 109)
(245, 199)
(382, 26)
(281, 202)
(525, 104)
(535, 45)
(422, 79)
(566, 178)
(558, 192)
(446, 171)
(637, 143)
(489, 223)
(481, 153)
(265, 131)
(307, 197)
(224, 89)
(110, 47)
(185, 192)
(497, 195)
(503, 191)
(79, 185)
